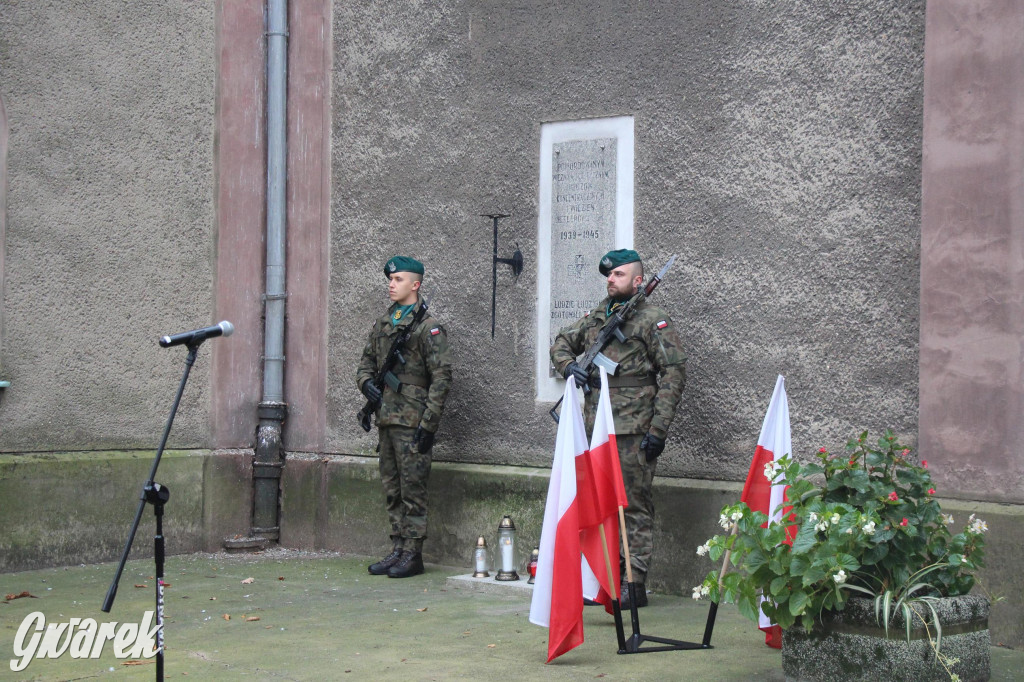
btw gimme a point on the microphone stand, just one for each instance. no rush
(157, 495)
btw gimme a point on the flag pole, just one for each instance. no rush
(713, 609)
(616, 607)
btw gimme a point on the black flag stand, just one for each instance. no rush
(157, 495)
(634, 645)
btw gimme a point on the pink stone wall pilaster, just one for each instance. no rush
(972, 249)
(241, 179)
(241, 220)
(309, 213)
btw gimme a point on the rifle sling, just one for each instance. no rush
(413, 380)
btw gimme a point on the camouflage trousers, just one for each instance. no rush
(638, 479)
(404, 473)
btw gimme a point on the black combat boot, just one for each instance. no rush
(409, 565)
(382, 566)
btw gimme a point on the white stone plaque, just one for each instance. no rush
(586, 210)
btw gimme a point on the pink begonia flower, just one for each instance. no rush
(853, 461)
(924, 463)
(931, 491)
(905, 453)
(893, 496)
(822, 450)
(903, 522)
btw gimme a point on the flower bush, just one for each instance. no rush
(866, 521)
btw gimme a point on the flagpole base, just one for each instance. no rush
(635, 643)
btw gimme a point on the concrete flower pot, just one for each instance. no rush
(848, 645)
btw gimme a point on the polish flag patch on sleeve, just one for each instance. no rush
(435, 331)
(662, 324)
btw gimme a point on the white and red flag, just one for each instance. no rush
(759, 492)
(601, 493)
(558, 588)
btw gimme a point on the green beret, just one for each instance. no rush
(402, 264)
(614, 259)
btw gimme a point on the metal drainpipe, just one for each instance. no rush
(272, 409)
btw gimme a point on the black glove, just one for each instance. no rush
(423, 440)
(573, 369)
(652, 446)
(371, 392)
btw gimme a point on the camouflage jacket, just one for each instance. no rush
(652, 348)
(427, 361)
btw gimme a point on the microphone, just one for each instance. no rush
(197, 336)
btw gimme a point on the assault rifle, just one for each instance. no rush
(612, 329)
(385, 375)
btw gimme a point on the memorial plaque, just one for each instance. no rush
(583, 182)
(585, 209)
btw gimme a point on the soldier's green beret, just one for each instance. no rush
(402, 264)
(614, 259)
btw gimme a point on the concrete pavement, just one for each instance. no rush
(317, 616)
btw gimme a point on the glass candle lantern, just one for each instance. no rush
(507, 550)
(481, 560)
(531, 567)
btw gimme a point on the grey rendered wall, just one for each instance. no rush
(109, 219)
(778, 152)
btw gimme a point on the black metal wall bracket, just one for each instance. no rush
(516, 262)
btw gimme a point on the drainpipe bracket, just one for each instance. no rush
(272, 410)
(267, 469)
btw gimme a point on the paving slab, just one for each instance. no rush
(320, 616)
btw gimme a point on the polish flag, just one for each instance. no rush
(759, 493)
(601, 493)
(558, 588)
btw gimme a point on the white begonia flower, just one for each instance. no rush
(835, 518)
(771, 471)
(736, 515)
(813, 517)
(697, 592)
(724, 522)
(822, 525)
(869, 528)
(840, 577)
(849, 531)
(704, 590)
(703, 549)
(978, 527)
(947, 519)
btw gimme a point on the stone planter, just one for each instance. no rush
(848, 645)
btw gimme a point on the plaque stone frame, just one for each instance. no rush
(573, 196)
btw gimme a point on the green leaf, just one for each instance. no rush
(748, 608)
(847, 562)
(779, 585)
(873, 554)
(798, 601)
(755, 560)
(857, 588)
(814, 574)
(805, 539)
(799, 565)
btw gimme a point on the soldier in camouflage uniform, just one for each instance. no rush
(645, 391)
(407, 419)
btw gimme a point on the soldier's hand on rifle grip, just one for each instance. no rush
(573, 369)
(423, 440)
(652, 446)
(371, 392)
